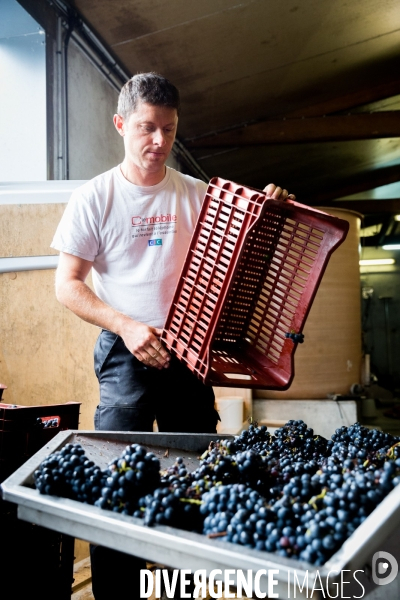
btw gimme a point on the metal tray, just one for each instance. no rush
(185, 550)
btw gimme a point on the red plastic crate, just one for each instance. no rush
(248, 282)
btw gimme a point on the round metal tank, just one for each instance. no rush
(329, 360)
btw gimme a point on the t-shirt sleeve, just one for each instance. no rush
(78, 232)
(201, 189)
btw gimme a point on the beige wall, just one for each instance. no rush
(46, 352)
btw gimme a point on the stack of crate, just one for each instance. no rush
(26, 429)
(33, 557)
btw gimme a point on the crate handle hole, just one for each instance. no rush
(238, 376)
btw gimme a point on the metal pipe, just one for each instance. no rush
(92, 41)
(91, 56)
(15, 264)
(38, 192)
(86, 38)
(60, 102)
(65, 72)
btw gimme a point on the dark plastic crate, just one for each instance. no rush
(33, 558)
(26, 547)
(26, 429)
(247, 285)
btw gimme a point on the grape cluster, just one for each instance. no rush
(255, 438)
(293, 493)
(70, 474)
(265, 462)
(224, 463)
(176, 502)
(359, 443)
(176, 506)
(238, 514)
(133, 474)
(345, 499)
(298, 441)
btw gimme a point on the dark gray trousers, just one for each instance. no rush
(132, 396)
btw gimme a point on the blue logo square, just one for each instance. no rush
(155, 242)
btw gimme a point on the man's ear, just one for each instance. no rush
(119, 124)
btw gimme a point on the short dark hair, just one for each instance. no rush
(147, 87)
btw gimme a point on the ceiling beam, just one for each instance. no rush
(349, 101)
(368, 207)
(355, 184)
(359, 126)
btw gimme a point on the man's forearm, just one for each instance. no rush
(82, 301)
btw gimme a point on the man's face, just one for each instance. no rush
(149, 134)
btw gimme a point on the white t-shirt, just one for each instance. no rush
(137, 238)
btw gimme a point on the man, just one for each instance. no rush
(110, 226)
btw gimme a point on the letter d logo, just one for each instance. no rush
(384, 568)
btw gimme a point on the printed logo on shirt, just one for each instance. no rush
(137, 220)
(155, 242)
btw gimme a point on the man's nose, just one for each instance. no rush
(159, 137)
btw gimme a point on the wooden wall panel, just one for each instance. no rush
(28, 229)
(46, 352)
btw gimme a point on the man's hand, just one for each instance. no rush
(144, 343)
(276, 192)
